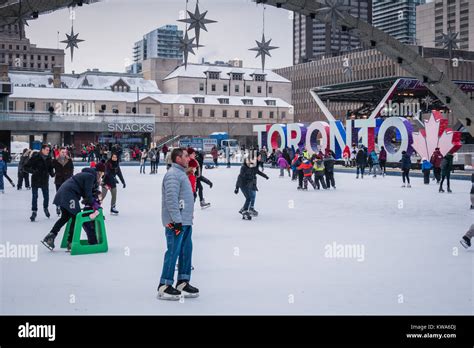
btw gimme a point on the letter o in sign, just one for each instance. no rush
(272, 137)
(384, 139)
(323, 129)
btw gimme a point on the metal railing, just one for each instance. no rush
(28, 116)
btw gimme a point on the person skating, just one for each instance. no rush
(306, 167)
(287, 157)
(472, 191)
(143, 158)
(215, 156)
(247, 183)
(466, 239)
(168, 160)
(436, 159)
(68, 198)
(3, 169)
(426, 169)
(63, 170)
(353, 155)
(319, 171)
(200, 178)
(177, 210)
(383, 160)
(406, 166)
(294, 175)
(283, 165)
(165, 151)
(41, 167)
(22, 175)
(329, 162)
(346, 155)
(152, 154)
(297, 162)
(446, 169)
(192, 169)
(375, 162)
(361, 162)
(112, 171)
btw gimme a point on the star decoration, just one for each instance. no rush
(334, 10)
(427, 101)
(187, 46)
(72, 42)
(197, 21)
(449, 41)
(263, 48)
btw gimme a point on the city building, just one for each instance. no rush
(439, 16)
(20, 54)
(312, 38)
(159, 43)
(128, 109)
(369, 71)
(397, 18)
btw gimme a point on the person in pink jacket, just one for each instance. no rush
(283, 164)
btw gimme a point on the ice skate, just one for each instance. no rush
(408, 186)
(167, 292)
(46, 212)
(465, 242)
(205, 205)
(253, 212)
(187, 289)
(403, 185)
(449, 190)
(48, 241)
(114, 211)
(441, 190)
(246, 215)
(33, 216)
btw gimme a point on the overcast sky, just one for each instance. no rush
(111, 27)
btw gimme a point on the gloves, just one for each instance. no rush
(210, 185)
(124, 185)
(176, 227)
(236, 191)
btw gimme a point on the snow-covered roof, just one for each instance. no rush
(87, 80)
(130, 97)
(198, 71)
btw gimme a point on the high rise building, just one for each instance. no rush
(20, 54)
(159, 43)
(437, 17)
(397, 18)
(311, 38)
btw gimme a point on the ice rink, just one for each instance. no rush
(409, 258)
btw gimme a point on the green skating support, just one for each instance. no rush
(81, 247)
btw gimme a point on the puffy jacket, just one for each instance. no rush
(406, 161)
(112, 170)
(383, 155)
(374, 158)
(361, 158)
(436, 159)
(329, 164)
(81, 185)
(347, 152)
(307, 168)
(41, 168)
(282, 162)
(447, 164)
(23, 159)
(426, 165)
(177, 199)
(63, 170)
(319, 167)
(247, 178)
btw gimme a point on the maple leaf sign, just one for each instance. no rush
(436, 134)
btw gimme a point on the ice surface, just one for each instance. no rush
(274, 264)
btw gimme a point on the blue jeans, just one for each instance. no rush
(253, 195)
(34, 202)
(1, 183)
(179, 246)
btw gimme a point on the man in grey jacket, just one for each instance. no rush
(177, 209)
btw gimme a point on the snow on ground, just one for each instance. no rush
(275, 264)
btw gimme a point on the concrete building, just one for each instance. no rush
(159, 43)
(397, 18)
(365, 69)
(20, 54)
(312, 38)
(435, 18)
(114, 107)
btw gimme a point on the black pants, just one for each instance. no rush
(330, 179)
(64, 218)
(406, 175)
(215, 161)
(8, 178)
(360, 168)
(153, 167)
(437, 174)
(300, 178)
(319, 180)
(23, 176)
(383, 166)
(447, 177)
(199, 190)
(426, 176)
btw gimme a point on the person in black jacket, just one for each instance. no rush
(63, 170)
(247, 183)
(22, 175)
(40, 165)
(68, 198)
(329, 170)
(112, 170)
(361, 162)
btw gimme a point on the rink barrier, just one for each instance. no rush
(82, 247)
